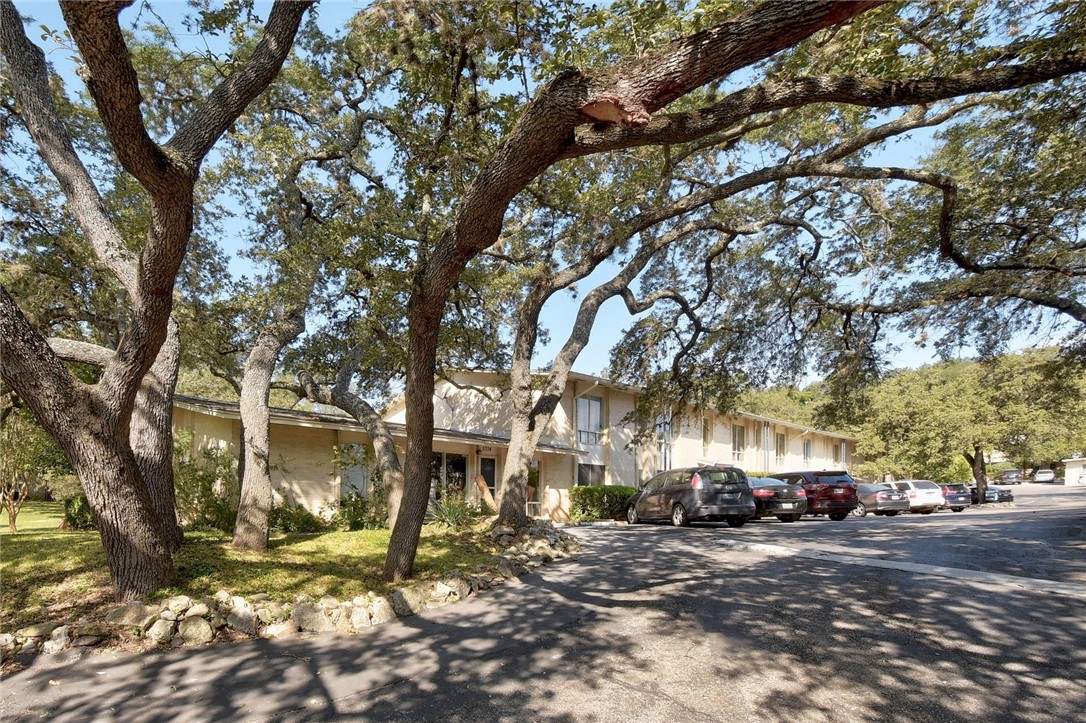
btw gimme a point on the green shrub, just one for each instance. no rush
(288, 518)
(452, 509)
(362, 513)
(599, 502)
(77, 514)
(206, 485)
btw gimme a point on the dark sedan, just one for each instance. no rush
(956, 497)
(880, 500)
(774, 498)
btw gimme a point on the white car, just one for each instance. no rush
(1044, 475)
(924, 495)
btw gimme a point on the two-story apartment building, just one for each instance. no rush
(587, 441)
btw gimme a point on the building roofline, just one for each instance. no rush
(300, 418)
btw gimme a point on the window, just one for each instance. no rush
(664, 435)
(836, 454)
(739, 441)
(589, 420)
(354, 472)
(706, 432)
(782, 447)
(448, 474)
(590, 474)
(807, 456)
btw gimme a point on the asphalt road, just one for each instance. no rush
(977, 616)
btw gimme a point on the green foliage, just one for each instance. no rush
(77, 514)
(206, 485)
(294, 518)
(358, 512)
(599, 502)
(453, 510)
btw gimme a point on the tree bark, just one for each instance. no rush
(254, 507)
(980, 472)
(151, 434)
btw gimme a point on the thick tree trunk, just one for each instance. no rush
(980, 472)
(419, 399)
(137, 555)
(251, 529)
(151, 433)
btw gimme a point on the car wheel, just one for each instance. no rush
(890, 513)
(958, 509)
(736, 520)
(926, 512)
(631, 515)
(861, 510)
(788, 518)
(678, 516)
(838, 516)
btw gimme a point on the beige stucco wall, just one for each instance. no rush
(303, 469)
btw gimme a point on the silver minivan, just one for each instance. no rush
(694, 493)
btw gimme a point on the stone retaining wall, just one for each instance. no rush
(181, 621)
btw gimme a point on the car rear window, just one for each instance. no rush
(956, 488)
(923, 484)
(723, 476)
(829, 479)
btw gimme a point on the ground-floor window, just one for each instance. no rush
(448, 473)
(354, 469)
(590, 474)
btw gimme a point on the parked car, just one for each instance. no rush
(880, 500)
(1011, 477)
(775, 498)
(992, 494)
(830, 493)
(694, 493)
(1044, 475)
(956, 497)
(924, 495)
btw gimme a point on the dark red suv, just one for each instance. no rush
(829, 492)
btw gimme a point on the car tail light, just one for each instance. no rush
(801, 492)
(764, 493)
(912, 494)
(695, 481)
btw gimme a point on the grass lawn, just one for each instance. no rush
(52, 574)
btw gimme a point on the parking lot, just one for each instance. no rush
(657, 623)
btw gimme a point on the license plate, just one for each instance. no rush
(788, 505)
(839, 490)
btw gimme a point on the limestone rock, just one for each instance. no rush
(7, 643)
(360, 617)
(222, 596)
(41, 630)
(500, 531)
(329, 602)
(280, 630)
(58, 640)
(505, 569)
(242, 620)
(381, 611)
(310, 617)
(86, 641)
(162, 631)
(196, 631)
(198, 610)
(168, 615)
(177, 604)
(132, 615)
(408, 601)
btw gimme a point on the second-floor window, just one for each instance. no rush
(739, 441)
(589, 420)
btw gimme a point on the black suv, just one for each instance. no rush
(830, 493)
(694, 493)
